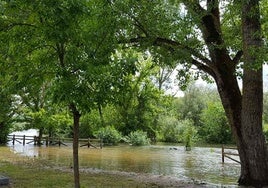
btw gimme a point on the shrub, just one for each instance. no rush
(176, 131)
(189, 134)
(138, 138)
(170, 130)
(109, 135)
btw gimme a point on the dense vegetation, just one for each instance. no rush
(199, 109)
(104, 66)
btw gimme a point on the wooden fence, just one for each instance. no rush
(23, 139)
(228, 152)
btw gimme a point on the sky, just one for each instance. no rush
(174, 90)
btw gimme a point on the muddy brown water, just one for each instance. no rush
(201, 164)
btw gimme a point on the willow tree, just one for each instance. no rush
(212, 37)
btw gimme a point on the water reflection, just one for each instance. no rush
(200, 164)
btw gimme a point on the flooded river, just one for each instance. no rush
(202, 164)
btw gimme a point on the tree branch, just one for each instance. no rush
(174, 44)
(11, 25)
(213, 8)
(139, 25)
(195, 7)
(237, 57)
(204, 68)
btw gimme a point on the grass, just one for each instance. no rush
(27, 172)
(31, 177)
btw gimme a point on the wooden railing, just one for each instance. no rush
(229, 153)
(23, 139)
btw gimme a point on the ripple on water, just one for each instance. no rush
(201, 164)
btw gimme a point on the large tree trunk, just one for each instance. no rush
(76, 118)
(244, 115)
(254, 159)
(244, 112)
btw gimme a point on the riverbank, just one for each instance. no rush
(30, 172)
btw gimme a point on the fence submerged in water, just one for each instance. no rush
(36, 140)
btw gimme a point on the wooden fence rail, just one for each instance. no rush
(228, 153)
(23, 139)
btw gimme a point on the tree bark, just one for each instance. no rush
(76, 118)
(244, 112)
(254, 158)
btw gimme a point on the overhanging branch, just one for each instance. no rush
(204, 68)
(174, 44)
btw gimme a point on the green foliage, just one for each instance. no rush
(189, 134)
(265, 131)
(176, 131)
(52, 121)
(265, 107)
(93, 121)
(170, 129)
(215, 128)
(89, 124)
(59, 125)
(191, 105)
(138, 138)
(136, 96)
(109, 135)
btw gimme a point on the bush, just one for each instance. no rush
(109, 135)
(170, 130)
(189, 134)
(175, 131)
(138, 138)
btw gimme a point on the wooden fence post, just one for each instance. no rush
(47, 141)
(222, 153)
(13, 139)
(88, 142)
(35, 140)
(23, 140)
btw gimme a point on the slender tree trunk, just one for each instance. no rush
(101, 114)
(39, 141)
(76, 118)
